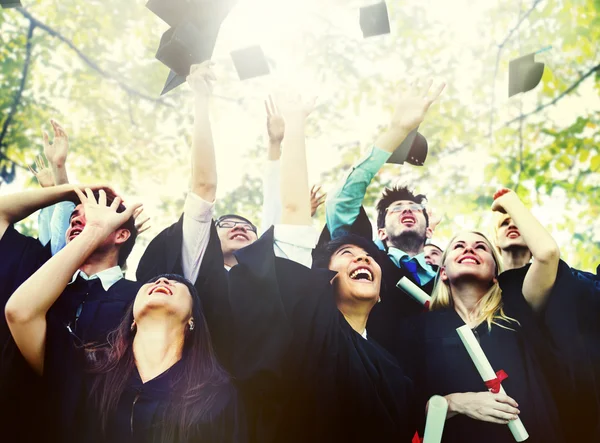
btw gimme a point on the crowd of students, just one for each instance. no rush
(231, 334)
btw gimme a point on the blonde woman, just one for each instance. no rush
(508, 316)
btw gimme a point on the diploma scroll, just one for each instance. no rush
(414, 291)
(487, 373)
(436, 418)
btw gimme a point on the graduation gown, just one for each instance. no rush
(142, 408)
(84, 306)
(529, 353)
(386, 322)
(303, 372)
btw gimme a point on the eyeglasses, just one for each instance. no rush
(228, 224)
(400, 208)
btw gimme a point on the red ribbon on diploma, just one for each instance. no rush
(416, 438)
(494, 384)
(426, 306)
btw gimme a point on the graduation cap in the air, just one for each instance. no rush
(412, 150)
(250, 62)
(8, 175)
(174, 12)
(186, 44)
(524, 74)
(10, 3)
(374, 20)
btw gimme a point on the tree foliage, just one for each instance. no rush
(91, 66)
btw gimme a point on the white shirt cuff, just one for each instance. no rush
(197, 208)
(295, 242)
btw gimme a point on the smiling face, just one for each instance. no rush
(405, 222)
(236, 237)
(164, 296)
(358, 278)
(508, 235)
(469, 257)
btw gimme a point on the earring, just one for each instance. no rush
(133, 326)
(191, 325)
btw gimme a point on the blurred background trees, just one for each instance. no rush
(91, 66)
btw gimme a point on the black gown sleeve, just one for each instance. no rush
(555, 334)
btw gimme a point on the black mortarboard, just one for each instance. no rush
(186, 44)
(250, 62)
(11, 3)
(374, 20)
(412, 150)
(173, 80)
(524, 74)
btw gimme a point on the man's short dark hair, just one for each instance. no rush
(391, 195)
(322, 255)
(126, 247)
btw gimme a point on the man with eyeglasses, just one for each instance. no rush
(402, 223)
(235, 232)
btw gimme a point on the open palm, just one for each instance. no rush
(412, 106)
(56, 152)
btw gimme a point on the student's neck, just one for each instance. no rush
(466, 297)
(356, 316)
(157, 346)
(514, 258)
(229, 260)
(409, 248)
(99, 262)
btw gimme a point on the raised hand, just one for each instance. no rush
(101, 216)
(316, 200)
(43, 174)
(501, 197)
(275, 122)
(56, 152)
(412, 106)
(434, 218)
(293, 104)
(201, 79)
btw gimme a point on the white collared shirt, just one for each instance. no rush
(364, 334)
(108, 277)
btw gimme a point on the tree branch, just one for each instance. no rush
(129, 90)
(19, 94)
(498, 54)
(555, 99)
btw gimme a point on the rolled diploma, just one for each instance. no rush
(413, 290)
(436, 418)
(487, 373)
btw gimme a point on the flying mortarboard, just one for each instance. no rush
(250, 62)
(374, 20)
(524, 74)
(412, 150)
(174, 12)
(10, 3)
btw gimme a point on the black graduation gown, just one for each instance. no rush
(141, 410)
(529, 354)
(386, 322)
(20, 257)
(303, 372)
(84, 306)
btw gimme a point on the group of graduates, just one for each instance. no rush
(290, 336)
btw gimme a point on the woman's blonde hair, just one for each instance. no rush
(490, 305)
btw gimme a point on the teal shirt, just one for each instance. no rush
(344, 202)
(53, 223)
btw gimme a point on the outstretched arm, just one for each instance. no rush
(204, 167)
(199, 203)
(271, 214)
(541, 276)
(343, 203)
(295, 193)
(26, 309)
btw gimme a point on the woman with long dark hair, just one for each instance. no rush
(156, 380)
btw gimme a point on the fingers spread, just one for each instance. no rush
(80, 195)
